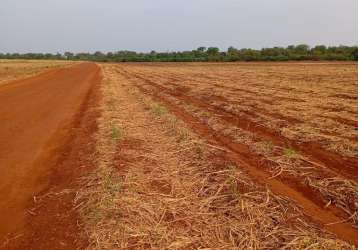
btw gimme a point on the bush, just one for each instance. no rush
(354, 54)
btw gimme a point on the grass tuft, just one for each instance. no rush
(158, 109)
(289, 152)
(116, 132)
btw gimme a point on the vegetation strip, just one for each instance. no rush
(298, 52)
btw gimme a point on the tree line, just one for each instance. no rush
(211, 54)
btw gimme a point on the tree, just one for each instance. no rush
(291, 47)
(68, 55)
(233, 54)
(98, 54)
(292, 52)
(213, 54)
(302, 49)
(319, 49)
(201, 49)
(213, 51)
(232, 51)
(354, 54)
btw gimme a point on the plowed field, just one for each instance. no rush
(292, 127)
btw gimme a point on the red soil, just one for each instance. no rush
(46, 125)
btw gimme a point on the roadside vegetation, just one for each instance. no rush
(16, 69)
(202, 54)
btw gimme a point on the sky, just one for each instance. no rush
(172, 25)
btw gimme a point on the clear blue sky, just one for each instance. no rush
(143, 25)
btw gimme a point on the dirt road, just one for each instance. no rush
(36, 114)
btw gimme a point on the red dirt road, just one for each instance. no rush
(36, 114)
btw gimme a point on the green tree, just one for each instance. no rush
(68, 55)
(354, 54)
(232, 51)
(302, 49)
(213, 54)
(292, 52)
(319, 49)
(213, 51)
(201, 49)
(233, 54)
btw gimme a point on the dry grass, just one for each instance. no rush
(302, 101)
(14, 69)
(273, 88)
(158, 186)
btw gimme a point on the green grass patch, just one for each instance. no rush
(116, 132)
(289, 152)
(158, 109)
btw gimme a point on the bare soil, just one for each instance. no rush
(45, 134)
